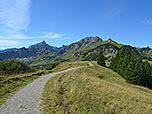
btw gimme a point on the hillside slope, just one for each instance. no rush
(95, 90)
(87, 49)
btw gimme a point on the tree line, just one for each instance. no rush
(132, 67)
(13, 66)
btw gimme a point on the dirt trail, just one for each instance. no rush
(27, 100)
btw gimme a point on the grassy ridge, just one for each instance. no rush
(67, 65)
(95, 90)
(10, 84)
(112, 42)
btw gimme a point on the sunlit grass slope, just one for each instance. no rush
(67, 65)
(95, 90)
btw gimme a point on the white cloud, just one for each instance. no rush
(8, 42)
(14, 14)
(21, 37)
(149, 22)
(51, 35)
(18, 36)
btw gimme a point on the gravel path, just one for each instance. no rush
(27, 100)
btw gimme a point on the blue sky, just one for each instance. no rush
(58, 22)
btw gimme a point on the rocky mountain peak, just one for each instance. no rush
(91, 39)
(85, 42)
(42, 44)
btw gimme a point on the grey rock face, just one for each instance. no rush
(88, 41)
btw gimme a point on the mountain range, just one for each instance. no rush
(86, 49)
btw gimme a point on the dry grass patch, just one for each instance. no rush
(86, 93)
(67, 65)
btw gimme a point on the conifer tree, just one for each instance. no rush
(101, 59)
(131, 67)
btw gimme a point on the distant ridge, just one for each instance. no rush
(9, 50)
(43, 44)
(83, 50)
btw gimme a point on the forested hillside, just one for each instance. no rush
(10, 67)
(132, 67)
